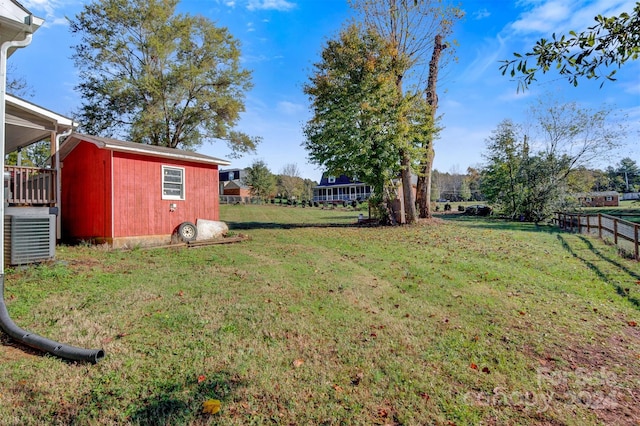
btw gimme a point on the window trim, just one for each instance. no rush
(331, 179)
(182, 192)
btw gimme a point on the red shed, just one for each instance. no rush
(127, 194)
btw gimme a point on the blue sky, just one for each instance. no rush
(281, 39)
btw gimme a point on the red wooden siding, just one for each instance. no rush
(86, 193)
(139, 209)
(109, 195)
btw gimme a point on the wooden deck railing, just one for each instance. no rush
(29, 186)
(622, 233)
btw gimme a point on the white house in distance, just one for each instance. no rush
(334, 189)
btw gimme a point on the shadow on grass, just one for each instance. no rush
(599, 271)
(182, 403)
(497, 223)
(280, 225)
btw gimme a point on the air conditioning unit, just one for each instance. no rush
(30, 238)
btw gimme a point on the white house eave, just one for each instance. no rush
(50, 116)
(16, 22)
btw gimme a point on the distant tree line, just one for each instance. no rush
(286, 185)
(622, 177)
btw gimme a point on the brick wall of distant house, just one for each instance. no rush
(241, 192)
(599, 201)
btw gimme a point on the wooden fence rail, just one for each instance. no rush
(622, 232)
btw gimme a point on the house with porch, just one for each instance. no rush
(31, 192)
(334, 189)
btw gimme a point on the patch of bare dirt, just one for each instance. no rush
(13, 351)
(602, 377)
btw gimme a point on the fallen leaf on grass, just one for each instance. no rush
(297, 362)
(473, 366)
(355, 381)
(201, 378)
(485, 370)
(425, 396)
(632, 323)
(211, 406)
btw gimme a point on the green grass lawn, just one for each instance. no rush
(315, 321)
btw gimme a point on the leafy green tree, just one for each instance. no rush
(355, 128)
(307, 189)
(290, 183)
(157, 77)
(473, 179)
(34, 155)
(601, 181)
(581, 179)
(500, 176)
(415, 30)
(521, 185)
(532, 184)
(609, 43)
(628, 168)
(261, 181)
(465, 191)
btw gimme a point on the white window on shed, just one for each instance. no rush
(609, 198)
(172, 183)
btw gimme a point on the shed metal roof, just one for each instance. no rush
(137, 148)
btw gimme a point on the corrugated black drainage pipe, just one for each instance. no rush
(42, 343)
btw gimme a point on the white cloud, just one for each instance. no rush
(544, 18)
(486, 57)
(514, 95)
(560, 16)
(281, 5)
(481, 14)
(290, 108)
(228, 3)
(49, 10)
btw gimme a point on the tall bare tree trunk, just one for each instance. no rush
(407, 189)
(426, 165)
